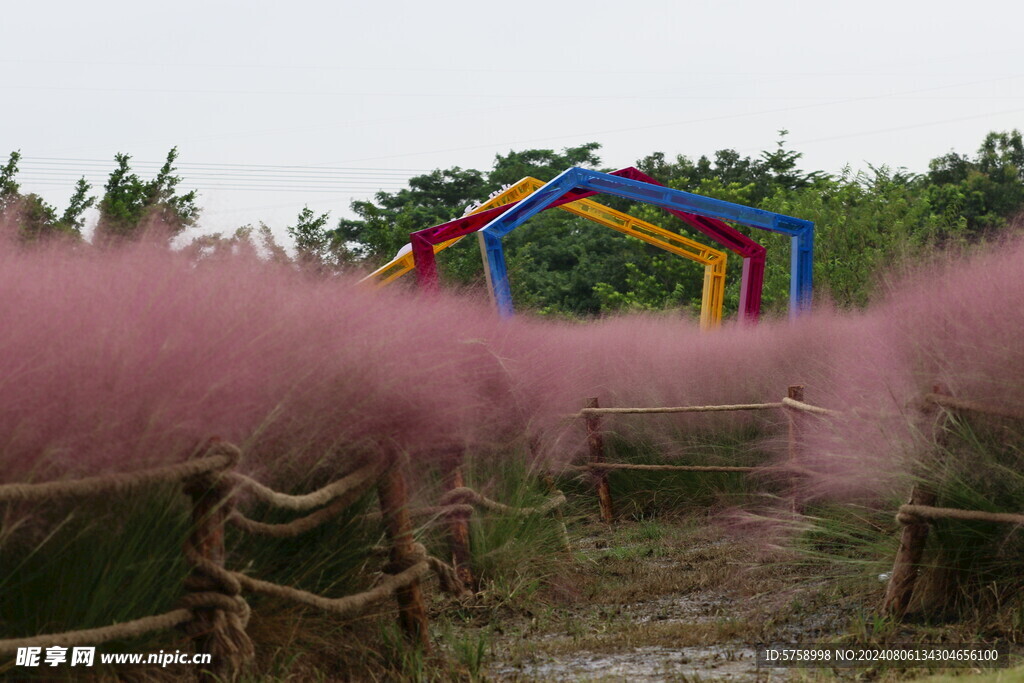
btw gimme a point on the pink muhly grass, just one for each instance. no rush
(952, 323)
(122, 359)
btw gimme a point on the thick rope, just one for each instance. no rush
(807, 407)
(221, 614)
(348, 606)
(296, 527)
(437, 511)
(122, 482)
(914, 514)
(95, 636)
(464, 493)
(309, 501)
(446, 574)
(351, 493)
(975, 406)
(659, 468)
(454, 509)
(448, 578)
(214, 587)
(396, 576)
(586, 412)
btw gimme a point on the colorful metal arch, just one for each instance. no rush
(424, 241)
(401, 265)
(577, 179)
(713, 260)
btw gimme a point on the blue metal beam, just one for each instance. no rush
(801, 231)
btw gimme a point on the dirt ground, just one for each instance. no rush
(660, 601)
(670, 600)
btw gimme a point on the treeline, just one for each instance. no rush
(866, 222)
(128, 208)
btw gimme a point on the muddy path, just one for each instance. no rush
(670, 600)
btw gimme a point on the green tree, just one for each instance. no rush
(254, 242)
(773, 170)
(36, 219)
(384, 225)
(984, 190)
(543, 164)
(131, 208)
(660, 284)
(316, 247)
(866, 223)
(9, 188)
(72, 217)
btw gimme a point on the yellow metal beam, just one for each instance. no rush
(713, 260)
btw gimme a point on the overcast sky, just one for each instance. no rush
(274, 105)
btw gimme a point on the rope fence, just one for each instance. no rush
(603, 466)
(947, 401)
(477, 501)
(315, 499)
(793, 404)
(93, 636)
(348, 606)
(118, 484)
(586, 412)
(213, 612)
(913, 516)
(916, 514)
(463, 493)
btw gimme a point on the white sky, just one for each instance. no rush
(319, 103)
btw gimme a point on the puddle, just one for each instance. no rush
(634, 614)
(715, 663)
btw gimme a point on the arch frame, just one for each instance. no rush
(575, 179)
(752, 253)
(713, 260)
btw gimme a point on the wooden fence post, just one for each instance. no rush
(215, 630)
(394, 504)
(908, 557)
(912, 541)
(795, 392)
(595, 439)
(458, 524)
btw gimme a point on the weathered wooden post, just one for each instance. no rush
(912, 542)
(908, 557)
(595, 439)
(393, 494)
(458, 523)
(795, 392)
(215, 630)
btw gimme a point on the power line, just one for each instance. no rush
(193, 180)
(256, 188)
(53, 172)
(189, 164)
